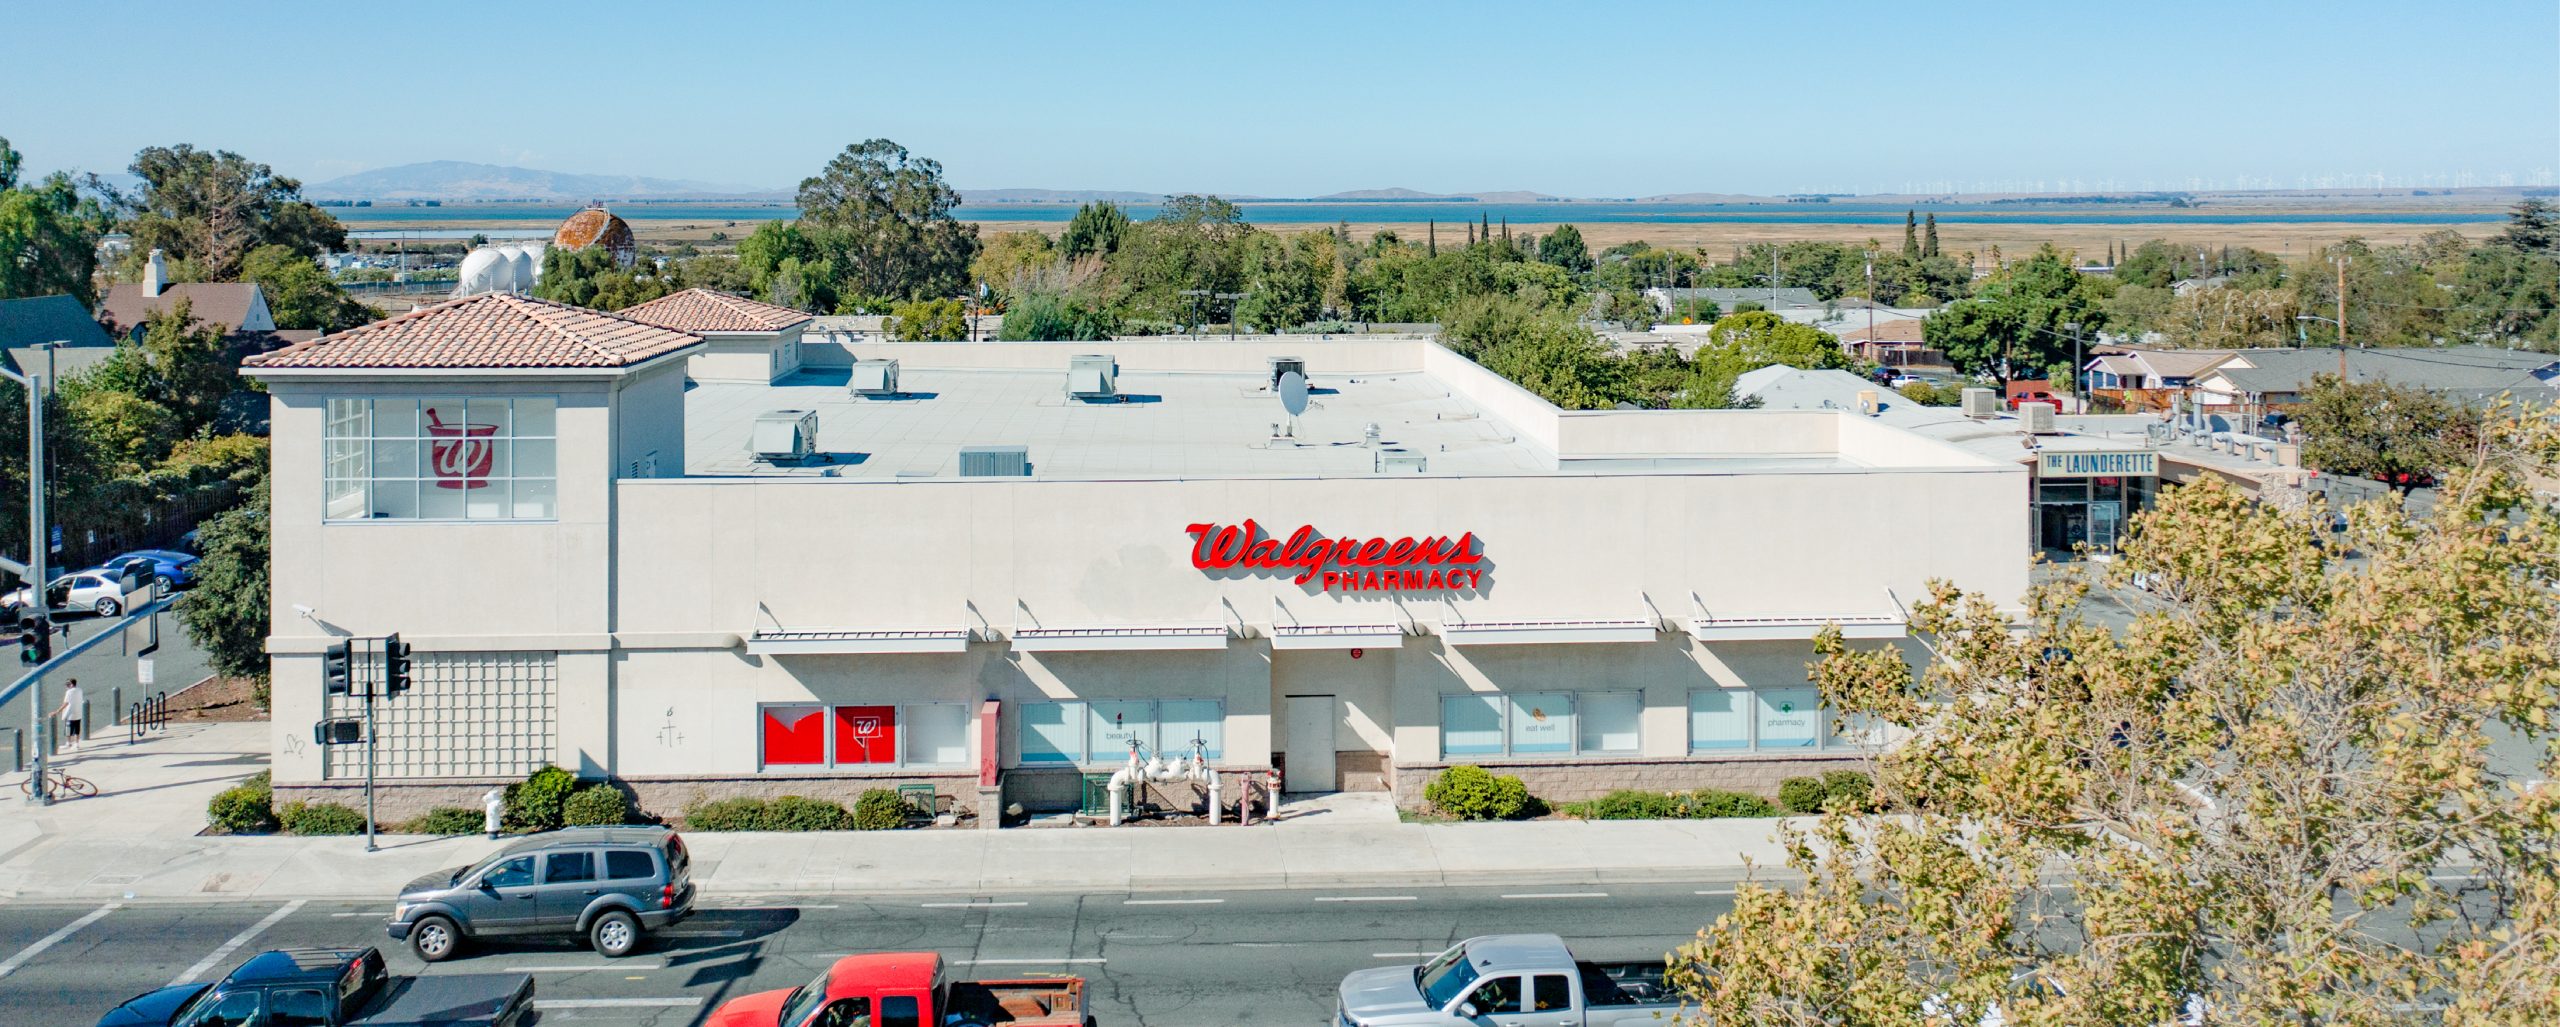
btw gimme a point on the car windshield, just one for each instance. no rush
(803, 1001)
(1446, 977)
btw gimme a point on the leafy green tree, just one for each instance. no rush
(1047, 316)
(48, 235)
(592, 278)
(1008, 257)
(299, 294)
(1929, 237)
(2380, 430)
(1911, 234)
(1284, 281)
(2012, 327)
(929, 321)
(2533, 226)
(1564, 248)
(887, 224)
(126, 433)
(181, 364)
(1097, 230)
(1746, 342)
(786, 263)
(210, 209)
(1193, 243)
(226, 614)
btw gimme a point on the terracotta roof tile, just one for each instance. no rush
(488, 330)
(705, 310)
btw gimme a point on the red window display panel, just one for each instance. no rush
(866, 734)
(795, 736)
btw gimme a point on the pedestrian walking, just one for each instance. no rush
(73, 707)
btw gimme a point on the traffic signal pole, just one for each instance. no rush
(39, 609)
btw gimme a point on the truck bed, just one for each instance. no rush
(1625, 984)
(1034, 1001)
(459, 1000)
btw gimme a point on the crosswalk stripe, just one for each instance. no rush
(51, 940)
(237, 940)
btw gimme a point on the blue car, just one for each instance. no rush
(178, 569)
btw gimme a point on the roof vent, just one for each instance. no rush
(1981, 403)
(784, 436)
(1284, 365)
(1093, 376)
(875, 378)
(1868, 404)
(995, 461)
(1398, 461)
(2038, 418)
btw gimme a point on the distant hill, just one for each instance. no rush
(1056, 196)
(462, 181)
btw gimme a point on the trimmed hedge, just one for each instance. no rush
(448, 820)
(1848, 790)
(598, 805)
(726, 815)
(536, 802)
(313, 818)
(244, 808)
(879, 809)
(788, 813)
(1469, 792)
(1702, 804)
(1803, 794)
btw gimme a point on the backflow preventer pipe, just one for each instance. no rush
(1156, 770)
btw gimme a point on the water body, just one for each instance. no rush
(1390, 212)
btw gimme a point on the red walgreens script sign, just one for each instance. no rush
(1363, 564)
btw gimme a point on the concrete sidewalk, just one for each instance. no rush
(137, 841)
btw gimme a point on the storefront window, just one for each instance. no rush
(866, 734)
(938, 734)
(1100, 731)
(808, 735)
(795, 736)
(1542, 724)
(441, 459)
(1716, 720)
(1052, 732)
(1612, 721)
(1115, 726)
(1470, 725)
(1790, 718)
(1181, 722)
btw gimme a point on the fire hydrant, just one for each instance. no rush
(492, 807)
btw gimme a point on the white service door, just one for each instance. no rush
(1310, 742)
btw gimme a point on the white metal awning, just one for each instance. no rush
(1544, 632)
(1336, 636)
(1788, 627)
(823, 642)
(1120, 639)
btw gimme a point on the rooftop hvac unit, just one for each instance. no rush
(995, 462)
(1284, 365)
(784, 436)
(1868, 404)
(1093, 376)
(2038, 417)
(1398, 461)
(1981, 403)
(875, 377)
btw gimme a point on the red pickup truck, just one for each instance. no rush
(907, 989)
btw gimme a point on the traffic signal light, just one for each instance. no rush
(395, 665)
(35, 641)
(337, 669)
(340, 731)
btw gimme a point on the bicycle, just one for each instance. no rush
(58, 783)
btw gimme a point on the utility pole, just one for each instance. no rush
(2077, 395)
(37, 605)
(2342, 319)
(1871, 299)
(1773, 277)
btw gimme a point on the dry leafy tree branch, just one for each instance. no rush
(2268, 800)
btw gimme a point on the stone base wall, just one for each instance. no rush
(1578, 779)
(663, 798)
(1360, 771)
(395, 801)
(1059, 789)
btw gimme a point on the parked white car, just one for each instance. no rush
(90, 591)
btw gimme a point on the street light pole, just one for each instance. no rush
(2077, 393)
(37, 605)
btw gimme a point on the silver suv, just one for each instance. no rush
(609, 885)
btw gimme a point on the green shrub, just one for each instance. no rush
(320, 818)
(800, 813)
(1698, 805)
(1803, 794)
(1472, 793)
(599, 805)
(448, 820)
(535, 803)
(727, 815)
(1631, 805)
(1716, 802)
(1850, 790)
(244, 808)
(879, 809)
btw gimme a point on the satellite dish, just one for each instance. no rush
(1293, 393)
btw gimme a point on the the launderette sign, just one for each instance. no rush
(2135, 464)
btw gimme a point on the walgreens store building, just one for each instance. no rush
(1017, 560)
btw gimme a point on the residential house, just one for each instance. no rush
(238, 308)
(28, 323)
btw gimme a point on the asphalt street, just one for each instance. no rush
(1152, 960)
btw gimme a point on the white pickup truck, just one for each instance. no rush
(1506, 980)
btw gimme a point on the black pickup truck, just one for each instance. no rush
(331, 988)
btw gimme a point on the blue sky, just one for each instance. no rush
(1308, 98)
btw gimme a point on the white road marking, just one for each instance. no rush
(51, 940)
(1365, 898)
(1021, 962)
(1558, 895)
(1400, 955)
(1266, 944)
(680, 933)
(237, 940)
(1172, 902)
(1715, 891)
(970, 905)
(768, 908)
(382, 913)
(580, 969)
(615, 1003)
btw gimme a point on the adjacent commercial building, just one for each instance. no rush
(999, 566)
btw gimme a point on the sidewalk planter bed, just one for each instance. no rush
(447, 820)
(1474, 793)
(788, 813)
(1583, 778)
(1702, 804)
(244, 808)
(597, 805)
(313, 818)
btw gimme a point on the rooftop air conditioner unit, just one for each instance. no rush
(784, 436)
(875, 378)
(2038, 417)
(1398, 461)
(1284, 365)
(1981, 403)
(1093, 376)
(995, 462)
